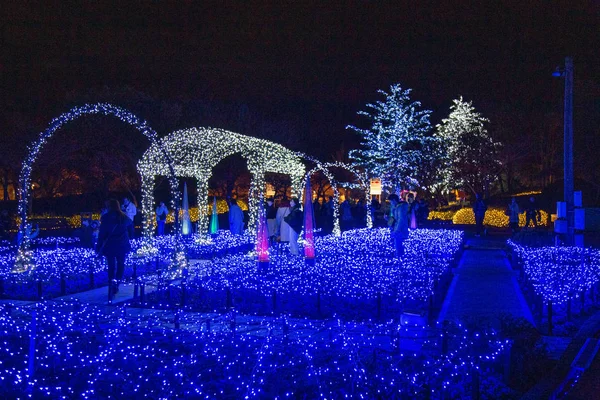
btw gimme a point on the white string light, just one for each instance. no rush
(196, 151)
(24, 262)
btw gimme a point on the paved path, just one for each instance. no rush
(99, 296)
(484, 287)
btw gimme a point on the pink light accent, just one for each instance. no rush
(262, 235)
(309, 222)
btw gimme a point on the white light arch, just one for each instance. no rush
(195, 151)
(23, 261)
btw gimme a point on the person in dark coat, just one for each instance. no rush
(295, 220)
(532, 213)
(479, 209)
(116, 230)
(271, 216)
(86, 234)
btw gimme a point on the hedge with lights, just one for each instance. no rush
(195, 151)
(559, 274)
(74, 350)
(494, 217)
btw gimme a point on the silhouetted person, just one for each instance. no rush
(295, 220)
(116, 230)
(86, 234)
(479, 209)
(531, 212)
(161, 218)
(398, 221)
(513, 215)
(271, 216)
(328, 211)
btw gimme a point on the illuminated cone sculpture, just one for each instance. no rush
(186, 223)
(262, 236)
(214, 219)
(309, 224)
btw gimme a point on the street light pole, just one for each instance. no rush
(568, 180)
(568, 146)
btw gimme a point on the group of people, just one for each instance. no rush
(285, 221)
(6, 225)
(532, 214)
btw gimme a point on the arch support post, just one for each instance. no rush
(257, 187)
(203, 214)
(148, 183)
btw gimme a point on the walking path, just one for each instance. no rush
(484, 286)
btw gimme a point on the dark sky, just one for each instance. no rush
(323, 62)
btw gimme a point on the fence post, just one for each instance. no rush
(319, 302)
(91, 278)
(63, 285)
(475, 395)
(142, 293)
(507, 362)
(32, 336)
(550, 317)
(228, 301)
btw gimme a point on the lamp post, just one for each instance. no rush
(567, 73)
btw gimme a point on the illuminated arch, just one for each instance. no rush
(336, 195)
(195, 151)
(23, 262)
(364, 184)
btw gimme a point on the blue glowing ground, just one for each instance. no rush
(354, 276)
(228, 328)
(83, 352)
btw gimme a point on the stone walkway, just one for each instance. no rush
(484, 287)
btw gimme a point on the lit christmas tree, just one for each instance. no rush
(397, 142)
(470, 154)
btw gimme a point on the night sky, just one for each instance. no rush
(319, 63)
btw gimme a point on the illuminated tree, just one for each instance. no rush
(395, 145)
(470, 154)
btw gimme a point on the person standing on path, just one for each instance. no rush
(513, 216)
(294, 220)
(271, 216)
(161, 218)
(129, 208)
(236, 218)
(531, 213)
(479, 209)
(398, 222)
(116, 230)
(282, 227)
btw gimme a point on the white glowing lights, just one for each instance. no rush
(195, 151)
(23, 261)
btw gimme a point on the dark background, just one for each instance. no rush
(297, 73)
